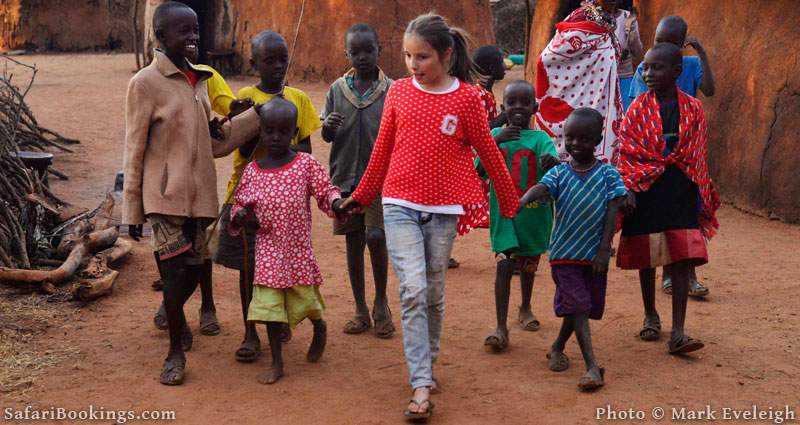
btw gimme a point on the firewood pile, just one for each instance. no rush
(45, 241)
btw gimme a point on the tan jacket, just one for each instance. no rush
(169, 162)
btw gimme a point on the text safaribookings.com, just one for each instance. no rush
(91, 413)
(752, 413)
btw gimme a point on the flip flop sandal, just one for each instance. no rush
(651, 329)
(357, 325)
(686, 344)
(667, 286)
(160, 319)
(453, 264)
(696, 289)
(531, 324)
(187, 339)
(209, 325)
(557, 361)
(173, 372)
(588, 383)
(248, 353)
(384, 328)
(497, 342)
(419, 415)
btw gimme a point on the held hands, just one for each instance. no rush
(349, 205)
(507, 134)
(343, 208)
(549, 161)
(135, 231)
(600, 262)
(333, 121)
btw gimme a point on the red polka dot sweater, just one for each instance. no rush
(423, 153)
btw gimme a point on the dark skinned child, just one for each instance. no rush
(695, 76)
(518, 242)
(270, 57)
(225, 104)
(587, 194)
(489, 59)
(353, 110)
(167, 128)
(663, 143)
(274, 193)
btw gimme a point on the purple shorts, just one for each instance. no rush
(578, 290)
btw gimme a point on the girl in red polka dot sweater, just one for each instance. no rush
(423, 163)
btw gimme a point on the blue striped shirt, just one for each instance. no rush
(581, 203)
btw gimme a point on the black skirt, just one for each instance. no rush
(671, 203)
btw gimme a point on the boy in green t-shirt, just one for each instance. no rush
(522, 239)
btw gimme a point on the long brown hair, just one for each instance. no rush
(435, 31)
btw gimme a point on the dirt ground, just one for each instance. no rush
(749, 322)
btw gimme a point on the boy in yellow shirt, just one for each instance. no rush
(270, 57)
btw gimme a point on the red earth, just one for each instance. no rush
(749, 322)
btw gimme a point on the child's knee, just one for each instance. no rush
(376, 237)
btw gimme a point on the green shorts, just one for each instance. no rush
(372, 217)
(285, 305)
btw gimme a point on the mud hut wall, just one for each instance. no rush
(66, 25)
(752, 146)
(319, 54)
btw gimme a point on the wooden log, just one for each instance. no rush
(92, 289)
(92, 242)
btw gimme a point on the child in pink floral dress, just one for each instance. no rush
(276, 190)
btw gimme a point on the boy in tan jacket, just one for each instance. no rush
(170, 179)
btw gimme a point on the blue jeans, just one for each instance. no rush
(419, 246)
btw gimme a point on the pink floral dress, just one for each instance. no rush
(280, 199)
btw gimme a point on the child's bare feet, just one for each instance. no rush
(318, 341)
(272, 375)
(527, 320)
(498, 341)
(592, 380)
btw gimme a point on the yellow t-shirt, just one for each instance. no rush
(307, 123)
(219, 92)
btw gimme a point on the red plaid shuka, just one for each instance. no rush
(642, 146)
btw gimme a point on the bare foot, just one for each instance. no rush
(318, 341)
(272, 375)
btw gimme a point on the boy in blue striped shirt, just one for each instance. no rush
(587, 194)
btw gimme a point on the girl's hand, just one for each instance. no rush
(350, 205)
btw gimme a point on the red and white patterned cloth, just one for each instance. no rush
(424, 153)
(642, 146)
(280, 199)
(578, 68)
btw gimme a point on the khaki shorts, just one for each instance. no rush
(372, 217)
(175, 235)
